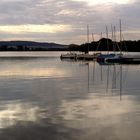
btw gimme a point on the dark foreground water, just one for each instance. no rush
(44, 98)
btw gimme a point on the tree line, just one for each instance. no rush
(105, 44)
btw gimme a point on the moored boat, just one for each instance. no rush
(68, 56)
(103, 57)
(125, 59)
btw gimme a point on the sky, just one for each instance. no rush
(65, 21)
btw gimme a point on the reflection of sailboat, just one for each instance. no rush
(120, 82)
(114, 78)
(94, 71)
(107, 78)
(120, 79)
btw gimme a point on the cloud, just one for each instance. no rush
(74, 15)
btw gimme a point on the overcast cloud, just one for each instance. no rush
(68, 17)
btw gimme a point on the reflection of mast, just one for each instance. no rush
(120, 82)
(114, 66)
(88, 77)
(101, 73)
(93, 71)
(107, 78)
(114, 77)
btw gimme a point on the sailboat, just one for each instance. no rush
(124, 59)
(103, 57)
(86, 55)
(117, 57)
(76, 56)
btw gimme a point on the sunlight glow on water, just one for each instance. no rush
(21, 72)
(12, 112)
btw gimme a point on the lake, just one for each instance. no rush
(45, 98)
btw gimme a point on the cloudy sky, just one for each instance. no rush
(65, 21)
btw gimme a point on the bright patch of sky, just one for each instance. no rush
(94, 2)
(34, 28)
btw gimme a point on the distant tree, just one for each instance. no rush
(3, 48)
(20, 48)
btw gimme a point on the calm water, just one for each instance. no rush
(44, 98)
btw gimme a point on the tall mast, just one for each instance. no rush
(101, 35)
(112, 37)
(107, 39)
(92, 37)
(88, 38)
(112, 32)
(120, 36)
(120, 31)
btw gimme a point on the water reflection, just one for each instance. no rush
(31, 72)
(96, 108)
(13, 112)
(45, 98)
(29, 68)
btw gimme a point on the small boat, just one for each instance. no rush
(125, 59)
(68, 56)
(103, 57)
(80, 56)
(112, 57)
(92, 56)
(131, 59)
(87, 56)
(115, 59)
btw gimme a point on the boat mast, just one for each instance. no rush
(107, 39)
(92, 37)
(88, 38)
(113, 29)
(120, 36)
(97, 49)
(114, 38)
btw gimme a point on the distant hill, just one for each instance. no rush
(30, 45)
(101, 45)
